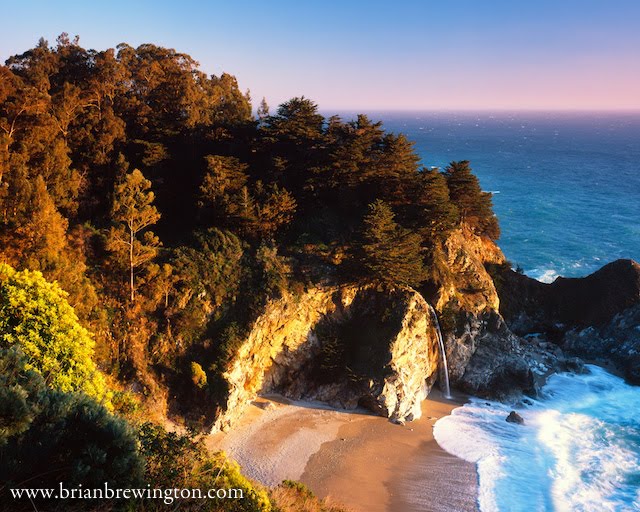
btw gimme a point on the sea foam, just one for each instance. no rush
(579, 449)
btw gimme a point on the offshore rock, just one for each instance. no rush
(514, 417)
(345, 346)
(568, 303)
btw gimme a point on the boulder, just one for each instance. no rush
(514, 417)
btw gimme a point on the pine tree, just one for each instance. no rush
(392, 254)
(263, 112)
(474, 205)
(133, 212)
(436, 213)
(276, 210)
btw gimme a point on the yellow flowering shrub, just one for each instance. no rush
(35, 315)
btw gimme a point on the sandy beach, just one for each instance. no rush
(356, 459)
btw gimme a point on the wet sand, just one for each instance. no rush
(359, 460)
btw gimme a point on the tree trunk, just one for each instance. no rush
(131, 282)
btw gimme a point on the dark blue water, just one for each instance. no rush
(566, 185)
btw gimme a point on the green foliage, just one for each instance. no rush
(125, 403)
(271, 272)
(208, 275)
(19, 393)
(391, 253)
(474, 205)
(297, 120)
(174, 460)
(75, 440)
(436, 214)
(257, 211)
(35, 315)
(198, 375)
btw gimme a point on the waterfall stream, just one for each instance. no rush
(446, 389)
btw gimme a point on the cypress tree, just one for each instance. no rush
(391, 253)
(436, 213)
(474, 205)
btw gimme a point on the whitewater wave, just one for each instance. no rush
(579, 449)
(545, 276)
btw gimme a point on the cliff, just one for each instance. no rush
(372, 346)
(345, 346)
(596, 317)
(531, 306)
(364, 345)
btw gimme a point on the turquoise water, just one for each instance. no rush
(579, 449)
(566, 185)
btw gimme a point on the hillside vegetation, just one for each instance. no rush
(146, 217)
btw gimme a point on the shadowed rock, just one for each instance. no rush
(514, 417)
(528, 305)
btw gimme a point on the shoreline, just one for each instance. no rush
(353, 458)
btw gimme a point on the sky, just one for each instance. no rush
(374, 55)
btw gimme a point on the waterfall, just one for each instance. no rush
(447, 389)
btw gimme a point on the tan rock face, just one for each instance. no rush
(467, 297)
(468, 285)
(359, 345)
(385, 356)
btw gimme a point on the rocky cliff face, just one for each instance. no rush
(377, 347)
(344, 346)
(531, 306)
(467, 297)
(617, 342)
(596, 317)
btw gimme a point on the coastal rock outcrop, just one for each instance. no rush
(364, 345)
(596, 317)
(617, 342)
(531, 306)
(505, 366)
(345, 346)
(467, 298)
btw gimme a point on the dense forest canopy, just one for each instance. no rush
(170, 214)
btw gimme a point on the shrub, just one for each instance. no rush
(35, 315)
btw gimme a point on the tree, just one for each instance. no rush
(19, 393)
(75, 440)
(134, 213)
(263, 111)
(297, 120)
(434, 214)
(35, 315)
(391, 253)
(474, 205)
(221, 188)
(274, 211)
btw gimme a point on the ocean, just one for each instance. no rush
(566, 185)
(578, 450)
(567, 193)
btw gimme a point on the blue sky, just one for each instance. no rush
(491, 54)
